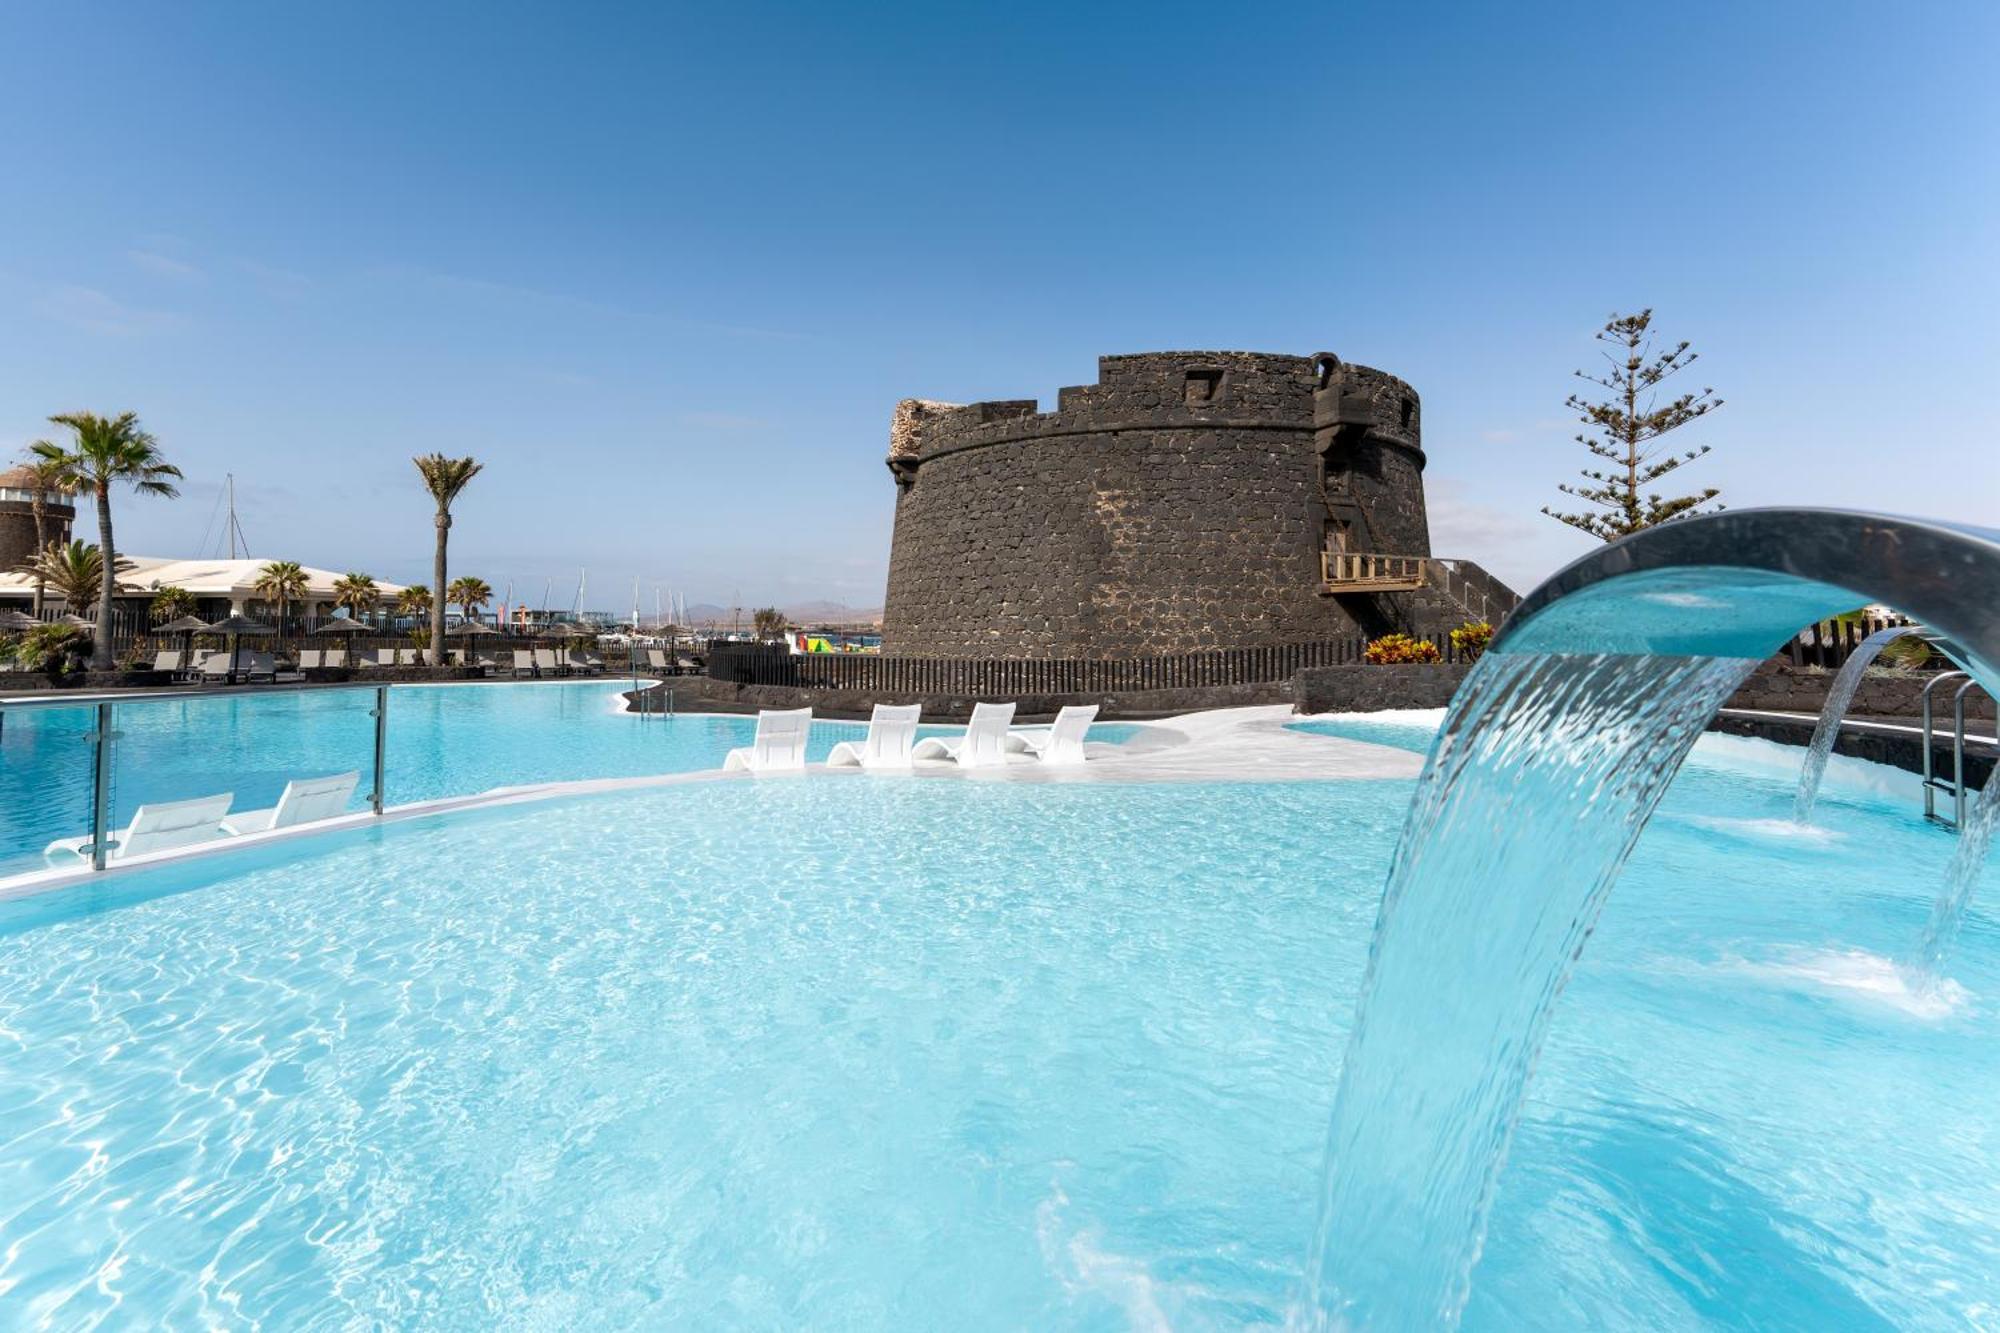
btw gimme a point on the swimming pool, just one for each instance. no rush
(869, 1054)
(452, 740)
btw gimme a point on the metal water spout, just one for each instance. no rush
(1552, 757)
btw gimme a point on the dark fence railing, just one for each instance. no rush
(135, 639)
(756, 664)
(1829, 643)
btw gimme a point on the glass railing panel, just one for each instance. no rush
(246, 747)
(45, 781)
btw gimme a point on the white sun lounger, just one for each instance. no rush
(1062, 743)
(780, 746)
(155, 828)
(545, 661)
(167, 660)
(304, 800)
(214, 667)
(984, 744)
(892, 735)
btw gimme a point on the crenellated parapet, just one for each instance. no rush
(1148, 391)
(1353, 402)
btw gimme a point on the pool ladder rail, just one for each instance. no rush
(1954, 785)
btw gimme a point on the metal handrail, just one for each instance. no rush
(85, 699)
(1958, 750)
(1930, 776)
(1934, 784)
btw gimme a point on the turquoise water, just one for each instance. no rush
(443, 741)
(854, 1054)
(1412, 732)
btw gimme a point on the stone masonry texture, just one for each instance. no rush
(1181, 503)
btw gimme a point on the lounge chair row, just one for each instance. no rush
(990, 740)
(547, 662)
(163, 825)
(214, 665)
(657, 660)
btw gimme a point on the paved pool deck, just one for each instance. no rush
(1250, 744)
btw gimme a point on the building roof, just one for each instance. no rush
(234, 579)
(22, 478)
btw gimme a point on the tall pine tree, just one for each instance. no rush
(1625, 430)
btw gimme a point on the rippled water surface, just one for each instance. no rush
(866, 1053)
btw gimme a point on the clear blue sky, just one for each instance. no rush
(667, 269)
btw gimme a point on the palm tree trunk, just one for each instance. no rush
(40, 509)
(100, 653)
(437, 593)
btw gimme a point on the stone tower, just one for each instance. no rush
(17, 517)
(1186, 501)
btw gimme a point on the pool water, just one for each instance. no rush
(860, 1054)
(443, 741)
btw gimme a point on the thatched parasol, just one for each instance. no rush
(187, 627)
(236, 627)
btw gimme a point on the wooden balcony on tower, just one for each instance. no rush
(1346, 571)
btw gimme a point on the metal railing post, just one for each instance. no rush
(1958, 751)
(1930, 769)
(100, 786)
(381, 715)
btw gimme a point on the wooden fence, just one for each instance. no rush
(1829, 643)
(756, 664)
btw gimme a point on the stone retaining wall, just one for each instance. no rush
(698, 694)
(1780, 687)
(1898, 751)
(1373, 689)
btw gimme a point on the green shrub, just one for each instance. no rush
(1469, 640)
(1906, 654)
(1400, 650)
(56, 649)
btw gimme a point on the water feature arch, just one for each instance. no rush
(1550, 760)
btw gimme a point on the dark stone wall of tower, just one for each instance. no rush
(17, 530)
(1177, 504)
(1368, 426)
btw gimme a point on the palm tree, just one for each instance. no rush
(283, 582)
(357, 593)
(444, 478)
(468, 594)
(171, 603)
(104, 450)
(47, 477)
(74, 571)
(414, 600)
